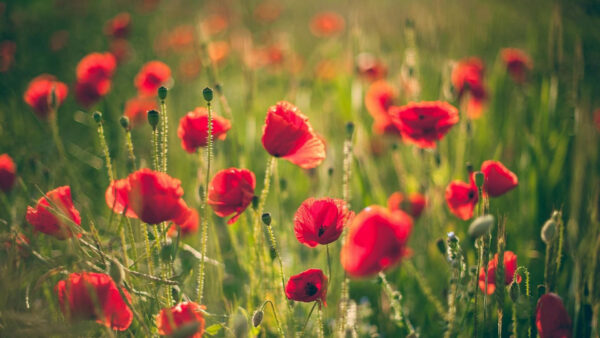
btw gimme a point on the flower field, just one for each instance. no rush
(271, 168)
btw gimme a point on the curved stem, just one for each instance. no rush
(205, 222)
(307, 318)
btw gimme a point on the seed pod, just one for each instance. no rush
(548, 231)
(162, 93)
(441, 245)
(208, 94)
(115, 270)
(266, 218)
(97, 116)
(349, 129)
(272, 253)
(514, 291)
(479, 178)
(124, 121)
(153, 118)
(481, 226)
(257, 317)
(254, 202)
(330, 171)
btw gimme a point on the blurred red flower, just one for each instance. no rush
(517, 62)
(90, 295)
(59, 40)
(151, 196)
(152, 75)
(186, 316)
(121, 49)
(94, 74)
(378, 100)
(498, 179)
(54, 217)
(7, 55)
(267, 11)
(231, 191)
(307, 286)
(136, 109)
(551, 317)
(39, 94)
(462, 198)
(187, 223)
(189, 68)
(370, 68)
(325, 24)
(321, 221)
(180, 38)
(7, 173)
(510, 266)
(288, 134)
(376, 240)
(413, 205)
(218, 51)
(214, 24)
(424, 123)
(467, 77)
(193, 129)
(119, 26)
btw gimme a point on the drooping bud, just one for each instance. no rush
(208, 94)
(479, 179)
(266, 218)
(441, 245)
(115, 271)
(514, 291)
(97, 116)
(124, 121)
(257, 317)
(153, 118)
(349, 129)
(254, 202)
(548, 231)
(481, 226)
(162, 93)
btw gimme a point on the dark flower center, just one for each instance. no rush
(310, 289)
(421, 117)
(321, 231)
(471, 194)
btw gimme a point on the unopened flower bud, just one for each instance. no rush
(349, 129)
(330, 171)
(257, 317)
(153, 118)
(469, 166)
(548, 231)
(479, 179)
(514, 291)
(115, 270)
(162, 93)
(254, 202)
(441, 245)
(266, 218)
(481, 226)
(124, 121)
(97, 116)
(208, 94)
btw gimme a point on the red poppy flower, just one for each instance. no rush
(193, 129)
(231, 191)
(136, 109)
(551, 318)
(517, 62)
(288, 134)
(21, 241)
(119, 26)
(39, 94)
(90, 295)
(186, 316)
(267, 11)
(307, 286)
(7, 173)
(510, 265)
(152, 75)
(181, 38)
(54, 217)
(369, 67)
(413, 205)
(121, 49)
(498, 179)
(462, 198)
(214, 24)
(467, 77)
(151, 196)
(187, 223)
(376, 240)
(424, 123)
(320, 221)
(218, 51)
(378, 100)
(325, 24)
(189, 68)
(94, 73)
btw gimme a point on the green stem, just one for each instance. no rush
(394, 297)
(165, 131)
(259, 210)
(148, 250)
(279, 329)
(205, 221)
(307, 318)
(274, 248)
(130, 152)
(155, 153)
(132, 239)
(328, 262)
(104, 146)
(439, 308)
(320, 317)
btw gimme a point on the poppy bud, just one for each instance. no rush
(266, 218)
(452, 237)
(548, 231)
(257, 317)
(330, 171)
(124, 121)
(254, 202)
(97, 116)
(272, 253)
(441, 245)
(469, 167)
(153, 118)
(349, 129)
(162, 93)
(208, 94)
(116, 272)
(481, 226)
(394, 146)
(514, 291)
(218, 87)
(479, 179)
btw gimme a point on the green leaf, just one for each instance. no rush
(213, 329)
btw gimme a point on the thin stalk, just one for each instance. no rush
(104, 146)
(425, 288)
(320, 331)
(155, 153)
(165, 131)
(148, 250)
(123, 241)
(307, 318)
(394, 298)
(130, 152)
(259, 210)
(132, 239)
(328, 262)
(274, 248)
(500, 287)
(279, 329)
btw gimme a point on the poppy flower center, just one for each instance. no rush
(471, 194)
(321, 231)
(310, 289)
(421, 117)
